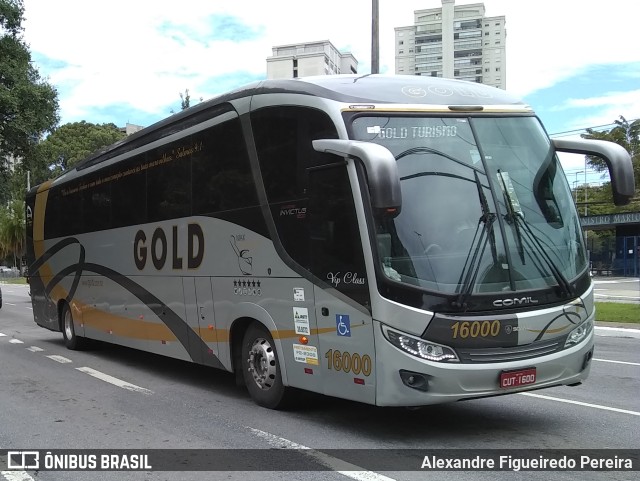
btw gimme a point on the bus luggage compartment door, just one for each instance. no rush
(198, 303)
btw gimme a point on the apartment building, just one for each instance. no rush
(309, 59)
(454, 41)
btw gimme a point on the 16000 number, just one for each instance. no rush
(347, 362)
(473, 329)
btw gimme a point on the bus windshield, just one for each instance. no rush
(486, 207)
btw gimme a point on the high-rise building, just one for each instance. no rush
(309, 59)
(454, 42)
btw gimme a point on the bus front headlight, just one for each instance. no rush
(415, 346)
(579, 334)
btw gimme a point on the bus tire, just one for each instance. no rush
(71, 340)
(260, 368)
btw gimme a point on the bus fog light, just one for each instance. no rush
(419, 347)
(579, 334)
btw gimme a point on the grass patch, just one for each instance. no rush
(617, 312)
(13, 280)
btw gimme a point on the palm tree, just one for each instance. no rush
(12, 229)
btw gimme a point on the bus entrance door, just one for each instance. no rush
(198, 303)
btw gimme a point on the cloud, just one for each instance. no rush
(142, 53)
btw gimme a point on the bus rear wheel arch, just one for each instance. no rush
(261, 369)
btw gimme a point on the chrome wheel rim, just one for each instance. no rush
(262, 363)
(68, 324)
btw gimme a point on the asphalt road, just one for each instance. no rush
(51, 399)
(618, 289)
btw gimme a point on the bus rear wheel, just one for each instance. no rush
(261, 370)
(71, 339)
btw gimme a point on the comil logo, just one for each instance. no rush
(516, 301)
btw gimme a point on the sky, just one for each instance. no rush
(576, 62)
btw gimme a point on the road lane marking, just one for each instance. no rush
(16, 341)
(16, 476)
(35, 349)
(579, 403)
(9, 304)
(2, 335)
(337, 465)
(113, 380)
(618, 362)
(60, 359)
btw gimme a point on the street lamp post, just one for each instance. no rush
(575, 189)
(375, 48)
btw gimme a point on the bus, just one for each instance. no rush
(392, 240)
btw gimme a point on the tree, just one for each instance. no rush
(28, 104)
(625, 134)
(73, 142)
(185, 101)
(12, 230)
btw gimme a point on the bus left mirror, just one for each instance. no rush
(381, 168)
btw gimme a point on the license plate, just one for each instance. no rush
(523, 377)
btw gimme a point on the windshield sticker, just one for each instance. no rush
(509, 191)
(418, 132)
(301, 320)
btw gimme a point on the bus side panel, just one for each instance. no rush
(285, 306)
(347, 349)
(113, 314)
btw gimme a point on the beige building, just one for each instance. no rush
(309, 59)
(454, 42)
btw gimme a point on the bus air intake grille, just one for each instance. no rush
(506, 354)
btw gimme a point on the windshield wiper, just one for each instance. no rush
(516, 218)
(473, 262)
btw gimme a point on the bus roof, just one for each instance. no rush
(353, 89)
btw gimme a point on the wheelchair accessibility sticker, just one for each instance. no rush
(343, 325)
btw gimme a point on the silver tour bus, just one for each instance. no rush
(393, 240)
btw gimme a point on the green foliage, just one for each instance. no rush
(12, 229)
(73, 142)
(625, 134)
(28, 104)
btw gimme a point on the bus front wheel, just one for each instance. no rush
(260, 368)
(71, 340)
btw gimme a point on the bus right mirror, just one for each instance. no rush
(617, 158)
(381, 168)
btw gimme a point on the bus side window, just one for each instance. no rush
(283, 136)
(336, 247)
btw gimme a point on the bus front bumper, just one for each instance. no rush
(405, 380)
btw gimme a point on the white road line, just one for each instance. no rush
(337, 465)
(16, 476)
(615, 282)
(2, 335)
(35, 349)
(579, 403)
(113, 380)
(60, 359)
(9, 304)
(618, 362)
(16, 341)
